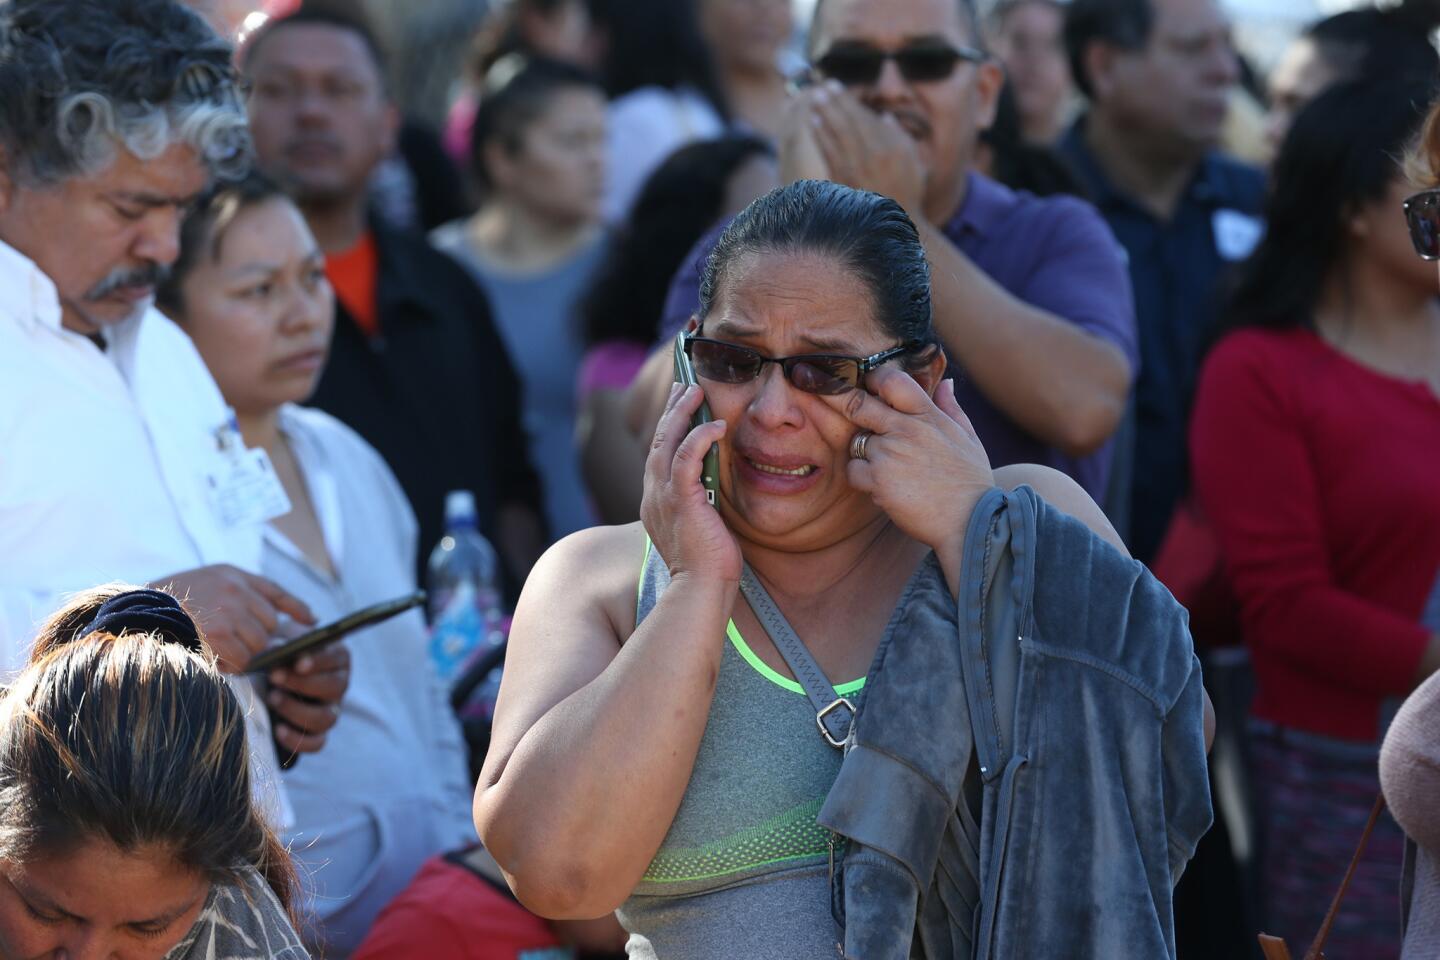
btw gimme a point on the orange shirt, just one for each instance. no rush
(353, 274)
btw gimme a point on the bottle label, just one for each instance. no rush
(457, 632)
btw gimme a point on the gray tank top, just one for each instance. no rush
(744, 870)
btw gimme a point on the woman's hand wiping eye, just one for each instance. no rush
(919, 458)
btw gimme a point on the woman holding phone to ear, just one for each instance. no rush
(674, 769)
(390, 788)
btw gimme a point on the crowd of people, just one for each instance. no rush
(1070, 587)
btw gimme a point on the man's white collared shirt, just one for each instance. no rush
(106, 459)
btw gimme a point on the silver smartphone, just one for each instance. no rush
(685, 373)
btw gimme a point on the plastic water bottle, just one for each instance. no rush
(463, 580)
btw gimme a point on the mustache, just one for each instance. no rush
(911, 121)
(150, 275)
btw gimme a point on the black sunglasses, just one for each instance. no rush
(820, 373)
(857, 65)
(1422, 213)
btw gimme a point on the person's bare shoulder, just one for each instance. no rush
(1062, 493)
(600, 565)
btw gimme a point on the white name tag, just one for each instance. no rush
(245, 489)
(1236, 233)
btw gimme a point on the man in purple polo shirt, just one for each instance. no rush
(1031, 297)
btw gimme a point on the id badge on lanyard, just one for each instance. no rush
(244, 488)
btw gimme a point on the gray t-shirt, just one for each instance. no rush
(537, 318)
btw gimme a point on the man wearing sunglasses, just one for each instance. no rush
(1030, 295)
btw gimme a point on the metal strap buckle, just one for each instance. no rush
(825, 732)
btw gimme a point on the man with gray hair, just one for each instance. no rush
(118, 457)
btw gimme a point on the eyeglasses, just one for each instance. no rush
(1422, 213)
(820, 373)
(857, 65)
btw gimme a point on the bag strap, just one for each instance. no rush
(833, 713)
(1275, 949)
(1314, 953)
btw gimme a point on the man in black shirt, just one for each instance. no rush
(416, 367)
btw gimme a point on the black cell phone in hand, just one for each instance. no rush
(685, 373)
(283, 655)
(288, 652)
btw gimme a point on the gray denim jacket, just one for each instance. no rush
(1043, 802)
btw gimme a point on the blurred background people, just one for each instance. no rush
(698, 185)
(127, 827)
(748, 39)
(416, 187)
(1316, 444)
(1157, 75)
(538, 155)
(1244, 134)
(416, 365)
(390, 789)
(428, 40)
(1006, 156)
(560, 30)
(1027, 37)
(228, 18)
(664, 89)
(1367, 42)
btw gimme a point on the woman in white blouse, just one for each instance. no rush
(390, 789)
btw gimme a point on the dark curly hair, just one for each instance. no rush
(80, 77)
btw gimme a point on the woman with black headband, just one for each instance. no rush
(127, 828)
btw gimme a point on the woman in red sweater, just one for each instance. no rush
(1316, 453)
